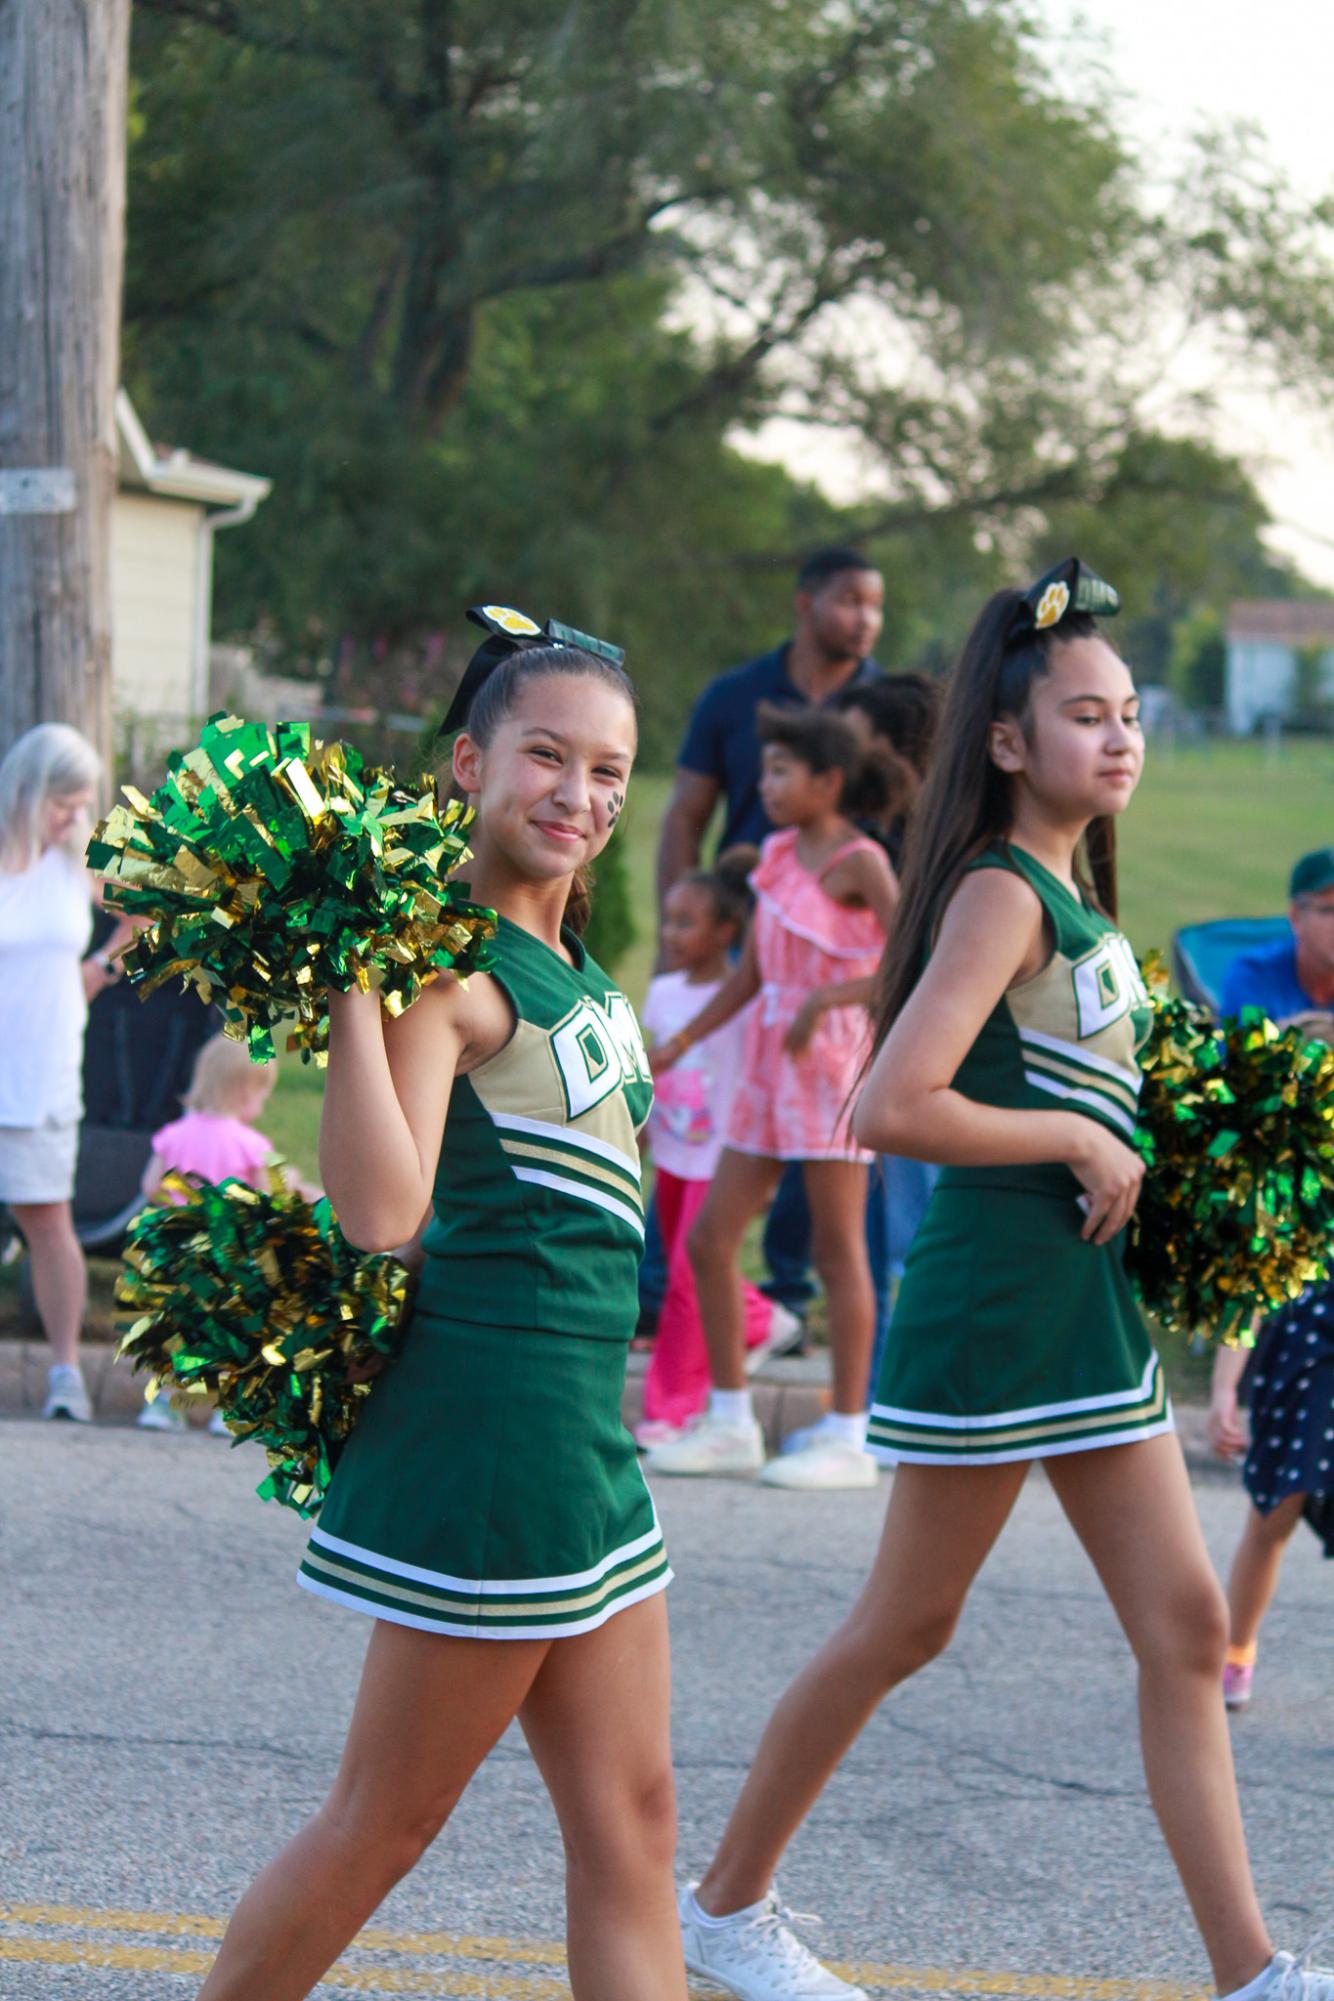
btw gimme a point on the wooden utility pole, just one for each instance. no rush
(63, 80)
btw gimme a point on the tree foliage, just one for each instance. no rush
(495, 292)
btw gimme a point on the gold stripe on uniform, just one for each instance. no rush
(581, 1163)
(1115, 1418)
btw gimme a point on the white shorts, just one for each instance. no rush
(37, 1162)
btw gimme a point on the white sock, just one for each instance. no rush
(731, 1406)
(849, 1427)
(709, 1922)
(1253, 1988)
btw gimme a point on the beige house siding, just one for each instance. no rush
(155, 584)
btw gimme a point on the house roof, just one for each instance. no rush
(1282, 621)
(178, 475)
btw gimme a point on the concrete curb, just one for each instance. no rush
(788, 1393)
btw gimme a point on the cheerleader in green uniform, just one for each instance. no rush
(488, 1512)
(1006, 1039)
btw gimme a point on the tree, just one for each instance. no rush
(63, 78)
(495, 291)
(1197, 669)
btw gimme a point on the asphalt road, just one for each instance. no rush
(171, 1707)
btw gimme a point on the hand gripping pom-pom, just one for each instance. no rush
(273, 867)
(257, 1300)
(1236, 1214)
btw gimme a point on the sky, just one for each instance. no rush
(1187, 63)
(1184, 65)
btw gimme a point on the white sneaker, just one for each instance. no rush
(217, 1425)
(1293, 1979)
(786, 1332)
(651, 1431)
(160, 1415)
(758, 1957)
(709, 1446)
(67, 1394)
(824, 1462)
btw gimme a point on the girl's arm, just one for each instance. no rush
(1227, 1433)
(385, 1100)
(152, 1176)
(867, 878)
(991, 937)
(741, 985)
(844, 993)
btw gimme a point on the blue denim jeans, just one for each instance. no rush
(895, 1205)
(787, 1243)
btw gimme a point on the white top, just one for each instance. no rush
(46, 921)
(692, 1099)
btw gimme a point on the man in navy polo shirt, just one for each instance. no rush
(839, 612)
(1295, 977)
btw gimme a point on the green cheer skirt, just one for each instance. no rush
(1012, 1338)
(490, 1490)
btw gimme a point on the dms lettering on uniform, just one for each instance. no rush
(1107, 985)
(598, 1048)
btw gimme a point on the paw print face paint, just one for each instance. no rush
(615, 802)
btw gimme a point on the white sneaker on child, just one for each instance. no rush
(786, 1332)
(217, 1426)
(162, 1415)
(823, 1462)
(67, 1394)
(757, 1956)
(708, 1446)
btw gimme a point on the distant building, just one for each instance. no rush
(169, 505)
(1267, 640)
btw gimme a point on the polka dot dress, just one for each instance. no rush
(1292, 1411)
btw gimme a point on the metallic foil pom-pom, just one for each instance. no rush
(256, 1300)
(272, 866)
(1236, 1214)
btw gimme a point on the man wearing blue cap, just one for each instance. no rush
(1296, 976)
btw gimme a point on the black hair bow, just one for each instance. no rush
(1069, 589)
(509, 631)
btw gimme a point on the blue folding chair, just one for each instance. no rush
(1202, 953)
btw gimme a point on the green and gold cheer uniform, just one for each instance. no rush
(490, 1488)
(1012, 1337)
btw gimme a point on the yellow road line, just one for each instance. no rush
(891, 1977)
(444, 1984)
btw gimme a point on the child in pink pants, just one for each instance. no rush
(704, 918)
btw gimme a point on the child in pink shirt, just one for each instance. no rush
(215, 1140)
(704, 918)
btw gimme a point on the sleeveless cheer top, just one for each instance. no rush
(1070, 1036)
(538, 1208)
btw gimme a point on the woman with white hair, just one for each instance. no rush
(48, 783)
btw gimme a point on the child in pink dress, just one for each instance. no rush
(825, 895)
(215, 1139)
(703, 921)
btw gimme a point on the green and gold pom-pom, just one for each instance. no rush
(1236, 1215)
(272, 867)
(255, 1299)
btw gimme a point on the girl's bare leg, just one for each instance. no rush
(941, 1524)
(597, 1721)
(836, 1193)
(742, 1186)
(1255, 1567)
(428, 1711)
(59, 1274)
(1131, 1507)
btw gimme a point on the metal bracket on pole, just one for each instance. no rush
(37, 490)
